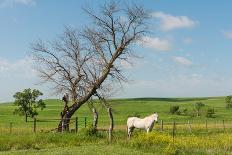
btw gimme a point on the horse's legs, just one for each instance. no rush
(148, 130)
(130, 132)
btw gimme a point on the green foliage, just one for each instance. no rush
(210, 112)
(228, 101)
(27, 102)
(185, 111)
(174, 109)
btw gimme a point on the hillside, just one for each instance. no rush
(122, 108)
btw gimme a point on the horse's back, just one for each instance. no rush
(130, 121)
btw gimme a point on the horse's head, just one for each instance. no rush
(156, 116)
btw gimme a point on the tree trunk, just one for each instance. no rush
(64, 124)
(64, 120)
(111, 124)
(95, 118)
(198, 111)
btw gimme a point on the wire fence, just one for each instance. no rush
(173, 127)
(43, 125)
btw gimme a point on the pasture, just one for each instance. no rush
(206, 136)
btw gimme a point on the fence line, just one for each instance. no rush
(175, 126)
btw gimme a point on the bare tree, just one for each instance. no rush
(81, 63)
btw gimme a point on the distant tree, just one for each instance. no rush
(228, 101)
(27, 102)
(198, 106)
(210, 112)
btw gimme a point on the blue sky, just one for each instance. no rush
(188, 52)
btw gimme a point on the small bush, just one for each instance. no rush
(174, 109)
(90, 131)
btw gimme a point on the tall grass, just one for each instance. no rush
(142, 143)
(39, 141)
(220, 143)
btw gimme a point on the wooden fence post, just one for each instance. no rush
(34, 125)
(173, 130)
(85, 122)
(76, 125)
(111, 124)
(95, 118)
(10, 127)
(206, 125)
(190, 128)
(162, 125)
(223, 122)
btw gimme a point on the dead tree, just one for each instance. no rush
(80, 62)
(65, 110)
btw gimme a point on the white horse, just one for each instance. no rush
(146, 123)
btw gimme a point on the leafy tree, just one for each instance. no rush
(210, 112)
(27, 102)
(228, 101)
(198, 106)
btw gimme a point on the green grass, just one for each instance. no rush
(24, 141)
(82, 150)
(153, 143)
(122, 108)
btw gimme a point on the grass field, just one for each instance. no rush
(22, 140)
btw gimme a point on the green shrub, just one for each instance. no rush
(174, 109)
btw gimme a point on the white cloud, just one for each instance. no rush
(156, 43)
(10, 3)
(193, 85)
(20, 68)
(18, 75)
(182, 61)
(170, 22)
(227, 34)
